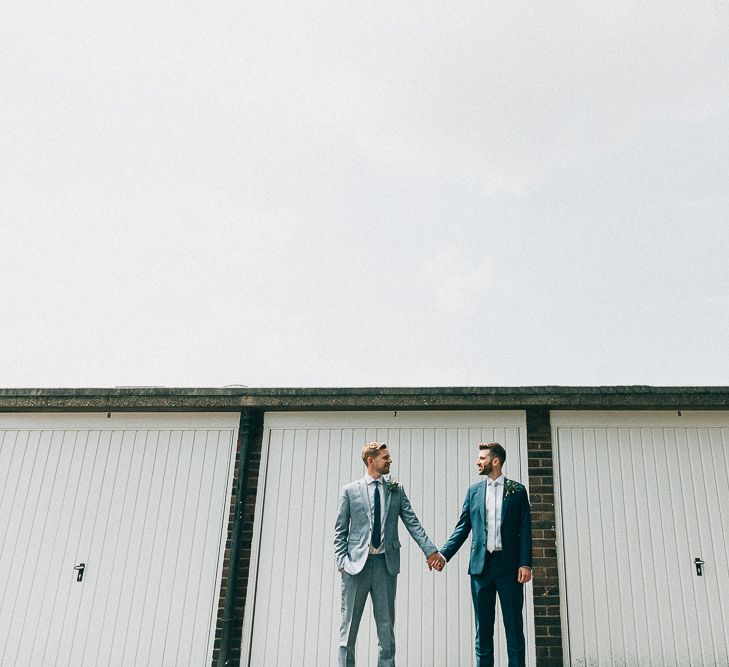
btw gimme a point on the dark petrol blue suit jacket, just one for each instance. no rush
(516, 528)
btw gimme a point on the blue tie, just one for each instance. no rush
(376, 528)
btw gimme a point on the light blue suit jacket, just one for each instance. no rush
(353, 527)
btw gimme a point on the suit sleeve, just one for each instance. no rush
(341, 530)
(525, 533)
(460, 532)
(412, 523)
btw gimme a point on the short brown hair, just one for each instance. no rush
(371, 449)
(497, 451)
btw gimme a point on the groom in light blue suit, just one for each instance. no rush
(367, 552)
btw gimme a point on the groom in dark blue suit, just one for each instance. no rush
(496, 513)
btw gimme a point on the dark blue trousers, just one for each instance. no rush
(499, 578)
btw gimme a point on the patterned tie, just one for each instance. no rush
(491, 516)
(376, 528)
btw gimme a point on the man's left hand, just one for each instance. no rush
(525, 575)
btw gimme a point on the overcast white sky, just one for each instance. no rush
(380, 193)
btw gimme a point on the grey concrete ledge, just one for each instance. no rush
(362, 398)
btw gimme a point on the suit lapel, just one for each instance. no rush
(365, 498)
(504, 501)
(480, 502)
(388, 494)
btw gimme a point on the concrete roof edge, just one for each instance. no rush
(103, 392)
(141, 399)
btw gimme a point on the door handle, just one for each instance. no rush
(80, 569)
(699, 569)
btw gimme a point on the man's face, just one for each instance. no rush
(381, 462)
(483, 462)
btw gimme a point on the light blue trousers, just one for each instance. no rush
(376, 581)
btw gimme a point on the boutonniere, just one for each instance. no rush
(512, 487)
(393, 485)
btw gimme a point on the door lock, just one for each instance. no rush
(699, 569)
(80, 569)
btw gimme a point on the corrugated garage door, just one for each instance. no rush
(293, 604)
(140, 503)
(640, 497)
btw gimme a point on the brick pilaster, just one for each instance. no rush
(547, 620)
(250, 468)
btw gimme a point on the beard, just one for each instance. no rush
(487, 468)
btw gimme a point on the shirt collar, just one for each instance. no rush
(369, 479)
(499, 480)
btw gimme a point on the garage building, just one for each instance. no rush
(181, 526)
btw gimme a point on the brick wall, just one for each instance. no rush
(547, 621)
(250, 469)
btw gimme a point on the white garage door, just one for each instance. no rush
(293, 605)
(641, 496)
(112, 533)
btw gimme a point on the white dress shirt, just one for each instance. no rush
(494, 500)
(371, 496)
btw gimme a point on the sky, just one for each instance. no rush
(364, 194)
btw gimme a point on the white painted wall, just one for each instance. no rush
(293, 605)
(639, 496)
(142, 500)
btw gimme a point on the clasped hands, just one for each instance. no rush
(436, 561)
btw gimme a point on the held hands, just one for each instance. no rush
(436, 562)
